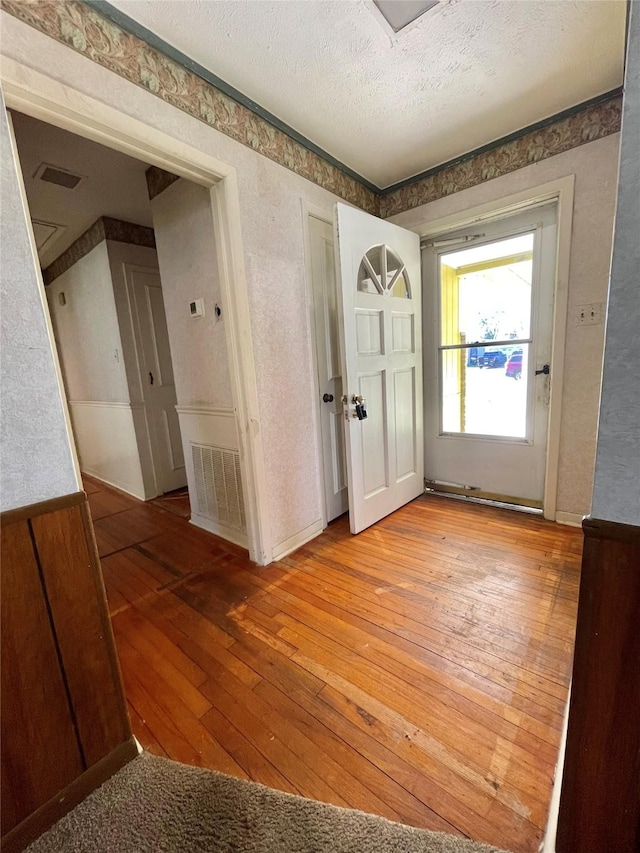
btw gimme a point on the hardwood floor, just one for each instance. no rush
(418, 671)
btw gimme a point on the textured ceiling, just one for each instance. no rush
(114, 184)
(390, 106)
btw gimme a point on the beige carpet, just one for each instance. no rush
(157, 806)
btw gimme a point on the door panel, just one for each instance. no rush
(489, 321)
(325, 303)
(154, 354)
(380, 334)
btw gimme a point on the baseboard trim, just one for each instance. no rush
(551, 831)
(121, 487)
(237, 537)
(570, 519)
(297, 540)
(60, 805)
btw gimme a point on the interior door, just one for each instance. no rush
(159, 391)
(489, 314)
(325, 313)
(381, 348)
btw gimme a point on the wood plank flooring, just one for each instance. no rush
(417, 671)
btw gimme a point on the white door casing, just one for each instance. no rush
(513, 468)
(325, 313)
(156, 374)
(381, 351)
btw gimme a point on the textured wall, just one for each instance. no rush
(86, 330)
(595, 168)
(183, 224)
(37, 462)
(616, 493)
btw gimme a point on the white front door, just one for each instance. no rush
(325, 313)
(159, 391)
(488, 320)
(380, 335)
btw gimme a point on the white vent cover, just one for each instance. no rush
(218, 485)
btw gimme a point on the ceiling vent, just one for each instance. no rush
(400, 13)
(59, 177)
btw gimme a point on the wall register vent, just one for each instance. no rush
(219, 485)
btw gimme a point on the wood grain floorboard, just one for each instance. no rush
(418, 671)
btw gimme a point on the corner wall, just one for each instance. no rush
(97, 354)
(187, 255)
(616, 493)
(595, 166)
(37, 449)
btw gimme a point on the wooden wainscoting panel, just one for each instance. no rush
(57, 807)
(74, 587)
(40, 749)
(600, 802)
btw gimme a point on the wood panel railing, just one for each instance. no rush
(65, 727)
(600, 800)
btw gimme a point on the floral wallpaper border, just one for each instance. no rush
(85, 30)
(105, 228)
(591, 123)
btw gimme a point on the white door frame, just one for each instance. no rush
(561, 190)
(44, 98)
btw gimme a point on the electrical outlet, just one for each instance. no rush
(590, 315)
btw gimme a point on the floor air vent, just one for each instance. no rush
(218, 485)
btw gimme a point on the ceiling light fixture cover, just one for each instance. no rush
(400, 13)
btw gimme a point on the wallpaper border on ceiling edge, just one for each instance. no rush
(90, 33)
(593, 122)
(104, 228)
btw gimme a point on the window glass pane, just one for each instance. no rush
(485, 396)
(485, 292)
(397, 280)
(366, 282)
(370, 271)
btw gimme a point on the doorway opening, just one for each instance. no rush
(488, 327)
(133, 289)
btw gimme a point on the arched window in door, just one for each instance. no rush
(382, 272)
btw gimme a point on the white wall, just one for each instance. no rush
(37, 456)
(271, 222)
(87, 332)
(616, 494)
(187, 255)
(183, 225)
(97, 354)
(595, 168)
